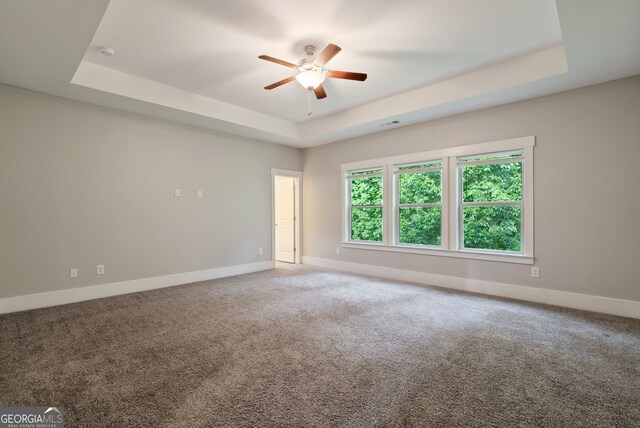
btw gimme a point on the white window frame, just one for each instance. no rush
(348, 179)
(397, 205)
(461, 204)
(451, 222)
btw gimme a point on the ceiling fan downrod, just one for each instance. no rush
(310, 50)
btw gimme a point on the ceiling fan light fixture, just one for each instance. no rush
(311, 73)
(310, 79)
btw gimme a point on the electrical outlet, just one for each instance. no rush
(176, 193)
(99, 269)
(337, 250)
(260, 251)
(535, 271)
(200, 194)
(73, 273)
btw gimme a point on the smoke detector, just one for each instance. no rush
(107, 51)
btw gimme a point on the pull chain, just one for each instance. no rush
(309, 102)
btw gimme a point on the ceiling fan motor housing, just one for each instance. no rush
(310, 50)
(310, 75)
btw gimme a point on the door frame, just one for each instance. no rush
(297, 179)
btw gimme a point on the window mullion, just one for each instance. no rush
(387, 195)
(346, 208)
(444, 204)
(453, 210)
(395, 208)
(527, 200)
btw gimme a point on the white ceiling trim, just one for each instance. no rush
(103, 79)
(419, 104)
(221, 116)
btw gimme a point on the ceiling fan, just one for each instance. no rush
(310, 70)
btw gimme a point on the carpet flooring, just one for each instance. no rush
(304, 347)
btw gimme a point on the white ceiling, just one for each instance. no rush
(211, 47)
(195, 61)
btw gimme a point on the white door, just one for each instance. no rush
(285, 219)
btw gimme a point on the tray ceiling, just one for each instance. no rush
(195, 61)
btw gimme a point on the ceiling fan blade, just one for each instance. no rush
(277, 61)
(320, 93)
(329, 52)
(280, 82)
(347, 75)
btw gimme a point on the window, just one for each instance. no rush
(419, 204)
(365, 207)
(471, 201)
(491, 203)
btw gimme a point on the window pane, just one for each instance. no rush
(489, 156)
(492, 183)
(421, 165)
(492, 228)
(366, 191)
(420, 226)
(420, 188)
(366, 224)
(368, 171)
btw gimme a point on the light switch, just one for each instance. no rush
(176, 193)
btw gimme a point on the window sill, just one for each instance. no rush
(461, 254)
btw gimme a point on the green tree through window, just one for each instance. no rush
(419, 205)
(366, 205)
(473, 201)
(492, 202)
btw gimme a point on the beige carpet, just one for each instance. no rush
(304, 347)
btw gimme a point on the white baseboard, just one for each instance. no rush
(61, 297)
(625, 308)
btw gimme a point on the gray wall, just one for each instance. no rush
(587, 193)
(82, 185)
